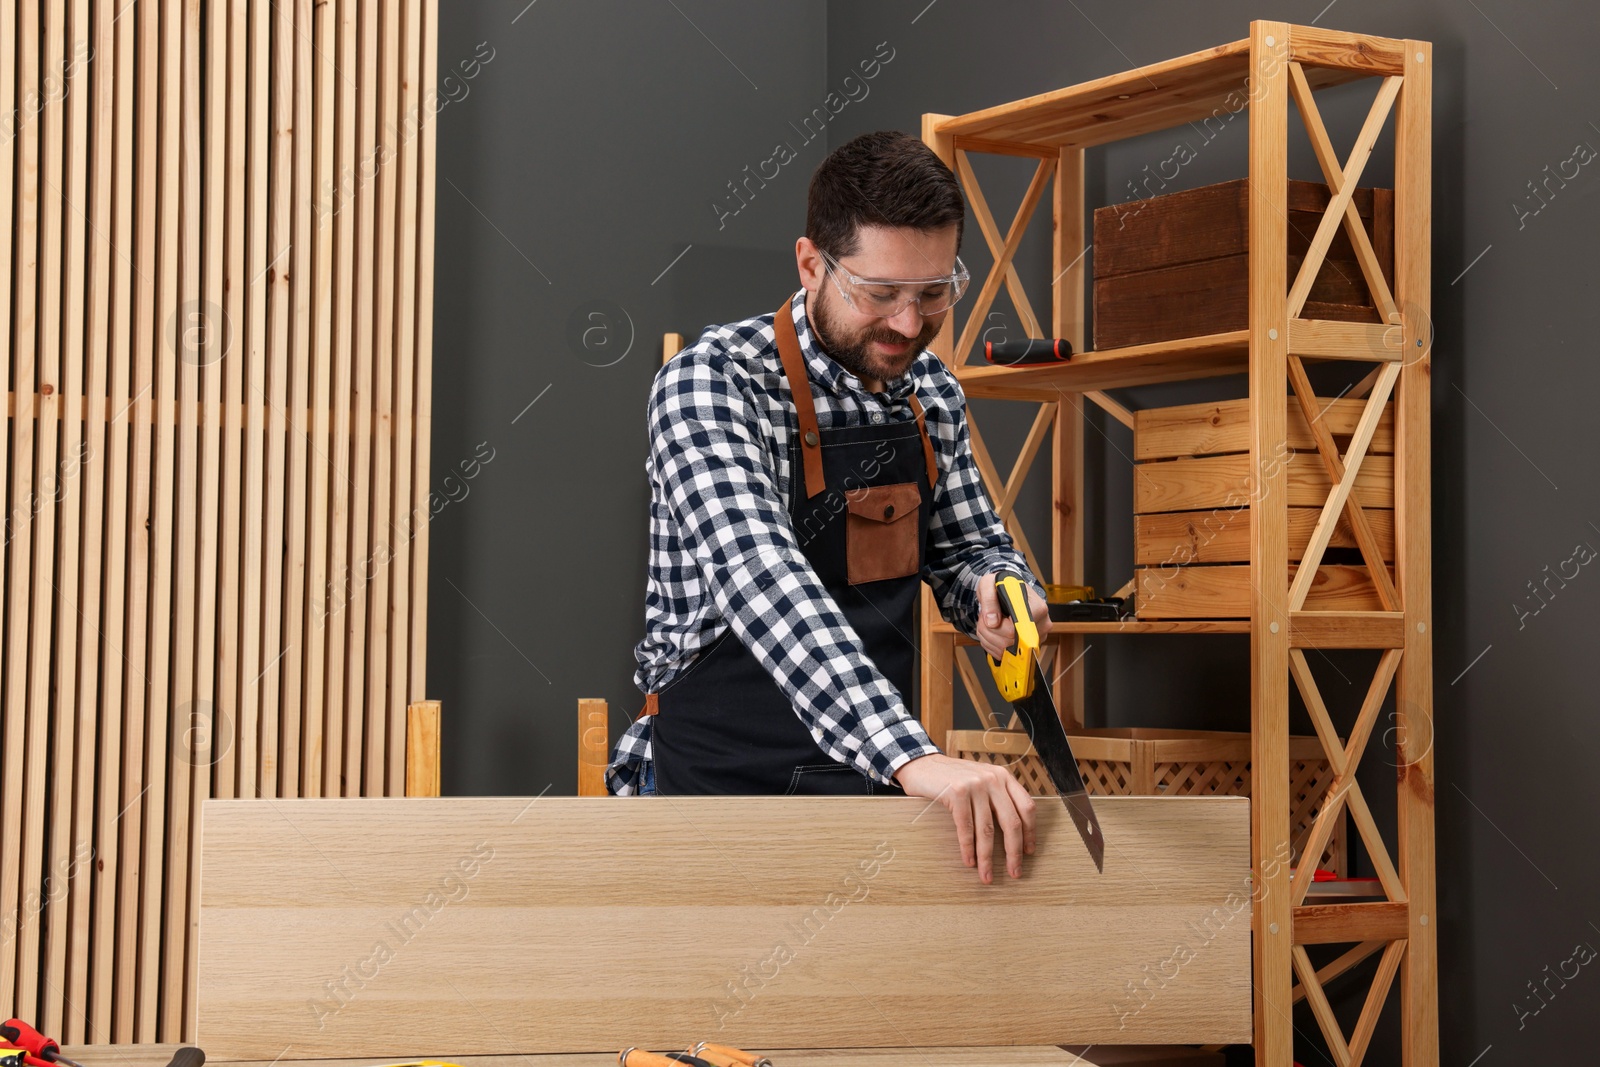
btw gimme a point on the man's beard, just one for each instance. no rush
(854, 353)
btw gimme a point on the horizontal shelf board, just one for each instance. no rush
(1209, 84)
(1159, 361)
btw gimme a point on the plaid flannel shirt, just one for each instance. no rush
(723, 550)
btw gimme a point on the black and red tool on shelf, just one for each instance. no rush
(1029, 352)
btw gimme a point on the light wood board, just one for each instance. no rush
(582, 924)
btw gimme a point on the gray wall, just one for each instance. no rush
(594, 145)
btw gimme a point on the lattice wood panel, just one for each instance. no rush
(1108, 775)
(216, 330)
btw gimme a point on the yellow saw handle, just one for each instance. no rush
(1013, 672)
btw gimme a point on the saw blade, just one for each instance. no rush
(1038, 714)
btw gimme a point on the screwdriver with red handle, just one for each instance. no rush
(42, 1051)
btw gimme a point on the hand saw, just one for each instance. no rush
(1022, 684)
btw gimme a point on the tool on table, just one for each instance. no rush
(1023, 685)
(1093, 609)
(634, 1056)
(1028, 352)
(193, 1056)
(692, 1061)
(18, 1058)
(41, 1051)
(707, 1050)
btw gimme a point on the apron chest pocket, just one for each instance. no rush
(882, 534)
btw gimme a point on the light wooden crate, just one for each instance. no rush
(1192, 487)
(1137, 761)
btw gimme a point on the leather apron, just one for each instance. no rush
(860, 501)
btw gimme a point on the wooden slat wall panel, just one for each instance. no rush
(216, 318)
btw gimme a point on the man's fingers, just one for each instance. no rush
(984, 819)
(961, 811)
(988, 602)
(1010, 820)
(1026, 811)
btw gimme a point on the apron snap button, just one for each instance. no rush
(888, 512)
(811, 438)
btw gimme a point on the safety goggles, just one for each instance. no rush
(887, 297)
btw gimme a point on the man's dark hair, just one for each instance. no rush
(885, 178)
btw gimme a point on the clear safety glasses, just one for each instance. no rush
(887, 297)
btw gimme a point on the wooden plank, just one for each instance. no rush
(403, 524)
(354, 586)
(1160, 361)
(1346, 629)
(281, 361)
(427, 178)
(526, 905)
(24, 370)
(11, 712)
(1265, 601)
(1327, 924)
(262, 252)
(1224, 426)
(1225, 481)
(159, 1055)
(1419, 979)
(1117, 98)
(300, 359)
(1208, 223)
(30, 943)
(71, 844)
(422, 749)
(1353, 51)
(314, 734)
(200, 747)
(1209, 297)
(185, 344)
(342, 322)
(233, 535)
(170, 226)
(1005, 148)
(110, 819)
(1222, 535)
(936, 683)
(594, 747)
(1330, 339)
(380, 702)
(1068, 270)
(94, 718)
(1224, 591)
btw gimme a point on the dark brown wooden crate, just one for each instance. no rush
(1177, 265)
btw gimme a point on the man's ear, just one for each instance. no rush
(809, 262)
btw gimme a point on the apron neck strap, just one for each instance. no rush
(806, 411)
(800, 386)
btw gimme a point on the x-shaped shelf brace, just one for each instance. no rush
(1004, 271)
(1342, 471)
(1345, 794)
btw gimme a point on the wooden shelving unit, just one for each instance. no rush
(1275, 64)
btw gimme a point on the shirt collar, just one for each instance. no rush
(828, 371)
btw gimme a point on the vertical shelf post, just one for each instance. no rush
(1419, 996)
(1269, 543)
(1066, 468)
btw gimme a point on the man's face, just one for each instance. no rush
(874, 348)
